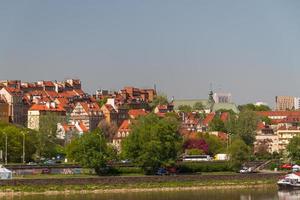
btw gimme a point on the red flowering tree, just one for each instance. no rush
(196, 143)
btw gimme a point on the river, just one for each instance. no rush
(228, 194)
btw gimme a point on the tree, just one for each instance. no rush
(198, 106)
(293, 149)
(15, 136)
(102, 102)
(252, 107)
(153, 142)
(217, 125)
(90, 151)
(239, 153)
(246, 126)
(196, 143)
(215, 145)
(185, 108)
(47, 142)
(159, 100)
(108, 129)
(261, 149)
(266, 120)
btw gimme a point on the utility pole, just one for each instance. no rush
(5, 148)
(23, 156)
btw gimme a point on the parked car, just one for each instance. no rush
(246, 170)
(162, 172)
(286, 166)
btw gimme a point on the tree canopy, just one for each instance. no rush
(91, 151)
(185, 108)
(239, 153)
(252, 107)
(293, 148)
(153, 142)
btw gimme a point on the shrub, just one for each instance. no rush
(194, 167)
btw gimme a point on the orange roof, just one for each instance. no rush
(90, 107)
(208, 118)
(110, 108)
(12, 90)
(83, 127)
(48, 84)
(135, 113)
(224, 116)
(125, 126)
(43, 107)
(278, 113)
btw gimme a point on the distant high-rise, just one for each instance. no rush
(285, 103)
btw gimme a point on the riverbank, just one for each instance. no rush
(137, 184)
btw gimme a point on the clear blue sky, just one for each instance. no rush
(249, 48)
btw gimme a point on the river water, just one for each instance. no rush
(228, 194)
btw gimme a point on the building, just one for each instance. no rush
(285, 134)
(17, 110)
(67, 132)
(285, 103)
(123, 132)
(37, 111)
(87, 113)
(222, 98)
(4, 111)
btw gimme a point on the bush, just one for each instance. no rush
(194, 167)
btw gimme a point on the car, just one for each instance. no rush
(49, 162)
(246, 170)
(286, 166)
(162, 172)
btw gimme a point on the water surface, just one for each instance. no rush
(228, 194)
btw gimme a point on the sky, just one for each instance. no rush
(250, 48)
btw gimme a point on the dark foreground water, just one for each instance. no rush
(232, 194)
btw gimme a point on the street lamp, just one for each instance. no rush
(5, 148)
(23, 156)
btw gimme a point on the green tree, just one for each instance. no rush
(153, 142)
(102, 102)
(215, 145)
(252, 107)
(239, 153)
(267, 120)
(15, 136)
(293, 149)
(198, 106)
(217, 125)
(185, 108)
(246, 126)
(159, 100)
(91, 151)
(47, 143)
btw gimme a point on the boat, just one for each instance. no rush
(290, 181)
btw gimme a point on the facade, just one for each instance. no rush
(123, 132)
(285, 134)
(222, 98)
(67, 132)
(89, 114)
(17, 110)
(285, 103)
(4, 111)
(36, 111)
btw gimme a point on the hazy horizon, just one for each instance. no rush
(248, 48)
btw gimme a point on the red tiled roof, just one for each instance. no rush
(224, 116)
(90, 107)
(125, 126)
(48, 84)
(43, 107)
(278, 113)
(134, 113)
(208, 118)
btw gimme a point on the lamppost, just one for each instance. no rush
(23, 155)
(5, 148)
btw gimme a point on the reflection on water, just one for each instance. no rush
(232, 194)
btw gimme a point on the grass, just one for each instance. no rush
(141, 186)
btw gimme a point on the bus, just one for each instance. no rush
(196, 158)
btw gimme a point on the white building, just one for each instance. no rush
(222, 97)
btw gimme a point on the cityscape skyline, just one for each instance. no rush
(249, 49)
